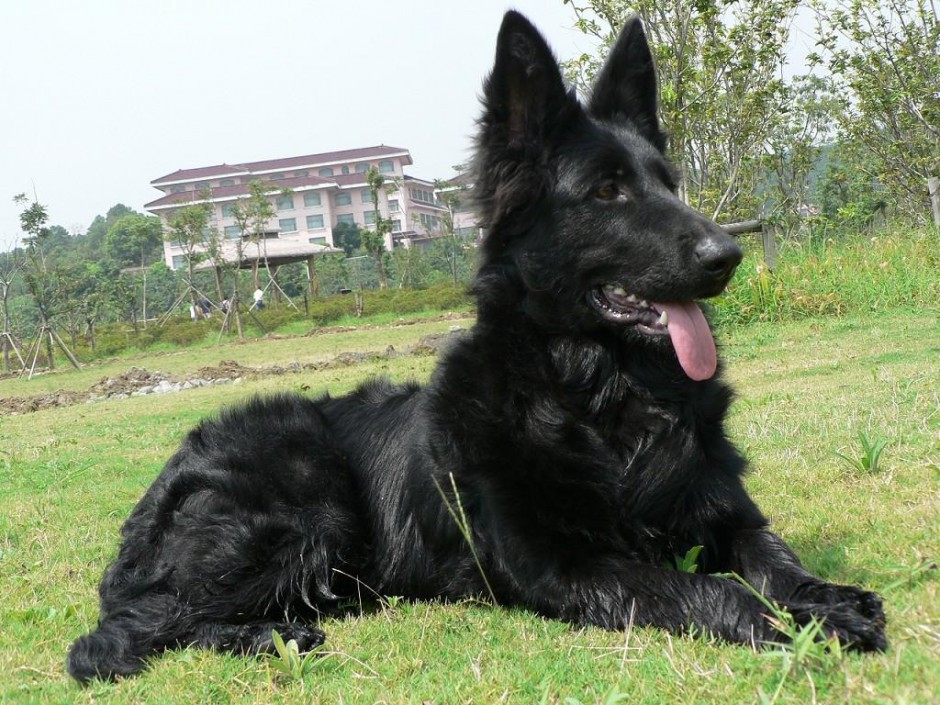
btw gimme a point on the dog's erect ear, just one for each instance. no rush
(525, 89)
(626, 88)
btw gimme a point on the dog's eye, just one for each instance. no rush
(607, 192)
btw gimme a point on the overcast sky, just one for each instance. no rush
(99, 97)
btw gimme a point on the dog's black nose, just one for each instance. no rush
(719, 255)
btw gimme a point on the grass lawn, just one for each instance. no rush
(69, 476)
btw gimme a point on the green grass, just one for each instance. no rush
(69, 476)
(844, 274)
(257, 352)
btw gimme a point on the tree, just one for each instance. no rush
(42, 280)
(847, 193)
(798, 139)
(333, 273)
(450, 246)
(719, 64)
(410, 267)
(87, 288)
(886, 58)
(189, 226)
(373, 241)
(251, 215)
(11, 264)
(348, 236)
(98, 230)
(133, 240)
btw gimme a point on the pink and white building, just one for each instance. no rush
(313, 194)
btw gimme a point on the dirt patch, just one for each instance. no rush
(138, 381)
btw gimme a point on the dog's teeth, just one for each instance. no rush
(663, 319)
(644, 304)
(631, 299)
(619, 291)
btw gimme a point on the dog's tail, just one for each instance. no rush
(124, 639)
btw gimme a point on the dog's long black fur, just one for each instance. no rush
(584, 438)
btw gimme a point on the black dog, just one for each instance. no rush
(579, 426)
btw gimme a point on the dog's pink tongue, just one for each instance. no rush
(691, 338)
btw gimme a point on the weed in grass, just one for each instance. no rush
(910, 575)
(289, 661)
(460, 518)
(867, 462)
(689, 562)
(807, 646)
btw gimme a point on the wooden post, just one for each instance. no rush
(768, 238)
(933, 188)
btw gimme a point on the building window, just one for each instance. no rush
(314, 222)
(345, 169)
(369, 217)
(366, 195)
(287, 225)
(277, 177)
(325, 171)
(430, 222)
(285, 202)
(202, 185)
(179, 261)
(362, 168)
(345, 218)
(228, 210)
(343, 199)
(393, 206)
(301, 174)
(232, 232)
(227, 182)
(317, 240)
(311, 199)
(418, 194)
(396, 226)
(179, 188)
(386, 166)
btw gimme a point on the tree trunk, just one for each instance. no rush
(312, 277)
(380, 270)
(92, 341)
(50, 356)
(238, 315)
(143, 306)
(219, 288)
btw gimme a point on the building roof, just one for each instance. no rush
(222, 193)
(309, 160)
(203, 172)
(273, 250)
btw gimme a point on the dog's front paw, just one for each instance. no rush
(867, 604)
(856, 630)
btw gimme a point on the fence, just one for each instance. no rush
(768, 237)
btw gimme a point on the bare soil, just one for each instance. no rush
(137, 381)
